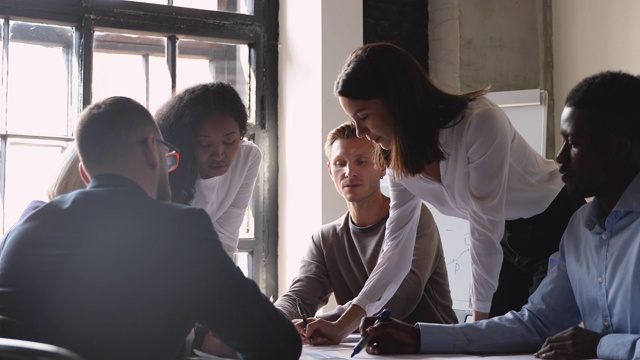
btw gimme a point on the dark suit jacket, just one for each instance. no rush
(110, 273)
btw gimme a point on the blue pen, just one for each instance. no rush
(382, 316)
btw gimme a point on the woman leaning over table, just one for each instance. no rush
(461, 154)
(218, 168)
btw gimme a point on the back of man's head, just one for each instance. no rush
(612, 98)
(108, 132)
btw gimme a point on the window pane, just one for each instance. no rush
(243, 261)
(247, 227)
(131, 65)
(200, 61)
(38, 83)
(30, 169)
(235, 6)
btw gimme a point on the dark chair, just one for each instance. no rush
(11, 349)
(13, 329)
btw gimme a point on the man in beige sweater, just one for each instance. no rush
(343, 253)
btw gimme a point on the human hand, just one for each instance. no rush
(573, 343)
(323, 332)
(391, 337)
(211, 344)
(301, 328)
(478, 315)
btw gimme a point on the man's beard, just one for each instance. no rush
(164, 190)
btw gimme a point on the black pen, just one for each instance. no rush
(383, 316)
(303, 314)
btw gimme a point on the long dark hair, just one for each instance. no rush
(179, 120)
(419, 109)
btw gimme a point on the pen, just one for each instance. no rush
(303, 314)
(382, 316)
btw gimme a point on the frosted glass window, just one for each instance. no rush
(38, 89)
(234, 6)
(133, 66)
(31, 167)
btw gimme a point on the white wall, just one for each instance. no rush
(316, 36)
(591, 36)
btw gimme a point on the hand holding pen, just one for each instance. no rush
(391, 336)
(303, 315)
(382, 316)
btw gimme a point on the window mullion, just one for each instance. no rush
(4, 75)
(145, 69)
(172, 60)
(3, 117)
(86, 60)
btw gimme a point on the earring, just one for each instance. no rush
(381, 177)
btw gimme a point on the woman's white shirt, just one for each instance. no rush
(226, 197)
(491, 174)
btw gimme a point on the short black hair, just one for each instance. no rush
(613, 98)
(179, 120)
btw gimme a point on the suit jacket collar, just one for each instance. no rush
(114, 181)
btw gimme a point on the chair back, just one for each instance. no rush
(12, 349)
(464, 316)
(14, 329)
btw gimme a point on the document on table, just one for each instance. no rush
(343, 351)
(339, 352)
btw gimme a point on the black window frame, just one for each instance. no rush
(259, 31)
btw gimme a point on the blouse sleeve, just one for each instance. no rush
(487, 145)
(397, 250)
(228, 224)
(424, 263)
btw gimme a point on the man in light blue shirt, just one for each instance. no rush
(597, 277)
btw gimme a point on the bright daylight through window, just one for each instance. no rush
(56, 63)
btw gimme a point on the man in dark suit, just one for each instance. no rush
(110, 272)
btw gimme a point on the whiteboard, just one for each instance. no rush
(527, 110)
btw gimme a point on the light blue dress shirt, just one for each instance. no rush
(596, 281)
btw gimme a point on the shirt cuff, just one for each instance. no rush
(436, 338)
(362, 302)
(618, 346)
(481, 306)
(188, 344)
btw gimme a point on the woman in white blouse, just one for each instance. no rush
(218, 168)
(461, 154)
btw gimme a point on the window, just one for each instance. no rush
(60, 55)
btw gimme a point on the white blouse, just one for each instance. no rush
(491, 174)
(226, 197)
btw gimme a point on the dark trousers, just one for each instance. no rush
(527, 245)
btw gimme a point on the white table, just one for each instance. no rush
(343, 351)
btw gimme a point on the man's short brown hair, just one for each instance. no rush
(108, 130)
(344, 131)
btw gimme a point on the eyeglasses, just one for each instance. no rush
(173, 155)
